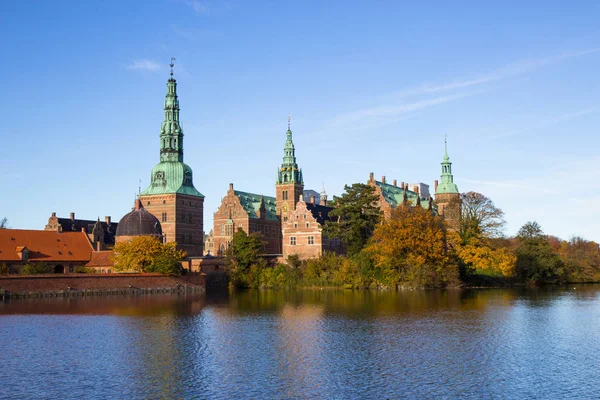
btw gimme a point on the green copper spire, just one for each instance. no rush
(171, 133)
(289, 171)
(171, 174)
(447, 184)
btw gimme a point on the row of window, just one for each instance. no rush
(182, 203)
(190, 219)
(310, 240)
(307, 224)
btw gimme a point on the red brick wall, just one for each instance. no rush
(185, 219)
(52, 283)
(296, 227)
(231, 207)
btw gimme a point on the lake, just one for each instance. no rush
(489, 343)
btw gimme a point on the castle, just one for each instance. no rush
(289, 223)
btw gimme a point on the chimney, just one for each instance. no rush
(371, 176)
(107, 219)
(395, 183)
(98, 246)
(231, 186)
(417, 190)
(82, 229)
(138, 204)
(301, 197)
(402, 185)
(54, 214)
(72, 216)
(435, 185)
(312, 198)
(383, 179)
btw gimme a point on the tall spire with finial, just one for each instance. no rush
(171, 132)
(171, 174)
(289, 171)
(447, 184)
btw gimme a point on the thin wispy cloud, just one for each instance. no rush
(475, 83)
(200, 7)
(145, 65)
(511, 70)
(393, 110)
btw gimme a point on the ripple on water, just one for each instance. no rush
(490, 344)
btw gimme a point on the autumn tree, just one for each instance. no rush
(411, 248)
(148, 254)
(582, 260)
(537, 262)
(355, 216)
(480, 217)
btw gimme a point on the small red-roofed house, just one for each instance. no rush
(61, 251)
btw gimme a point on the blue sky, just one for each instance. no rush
(372, 87)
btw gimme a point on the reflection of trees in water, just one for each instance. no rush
(164, 341)
(366, 303)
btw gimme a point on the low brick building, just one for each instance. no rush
(100, 233)
(303, 231)
(62, 252)
(253, 213)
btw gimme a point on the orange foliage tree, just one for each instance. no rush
(411, 248)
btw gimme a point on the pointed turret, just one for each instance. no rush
(447, 196)
(446, 184)
(171, 133)
(289, 171)
(289, 184)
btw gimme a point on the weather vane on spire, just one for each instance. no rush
(289, 119)
(172, 64)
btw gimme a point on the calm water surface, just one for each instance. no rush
(508, 343)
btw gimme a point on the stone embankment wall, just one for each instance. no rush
(98, 284)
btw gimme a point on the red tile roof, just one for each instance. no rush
(45, 245)
(101, 259)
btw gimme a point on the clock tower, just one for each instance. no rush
(289, 185)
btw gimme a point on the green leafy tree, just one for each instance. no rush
(244, 259)
(35, 269)
(355, 216)
(148, 254)
(537, 261)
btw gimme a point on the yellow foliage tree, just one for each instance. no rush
(148, 254)
(411, 248)
(478, 255)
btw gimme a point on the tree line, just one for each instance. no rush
(415, 248)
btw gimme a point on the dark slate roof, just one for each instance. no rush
(319, 212)
(139, 222)
(75, 225)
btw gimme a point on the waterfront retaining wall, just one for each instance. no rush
(98, 284)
